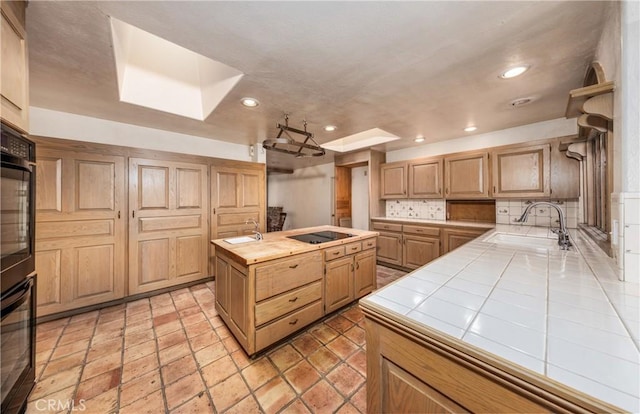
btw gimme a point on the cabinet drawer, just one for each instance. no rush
(279, 329)
(387, 226)
(369, 244)
(333, 253)
(353, 247)
(426, 231)
(286, 274)
(281, 305)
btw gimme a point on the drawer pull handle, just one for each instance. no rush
(354, 248)
(386, 227)
(336, 253)
(293, 266)
(293, 322)
(293, 300)
(419, 230)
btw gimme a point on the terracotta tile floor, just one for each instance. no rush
(172, 353)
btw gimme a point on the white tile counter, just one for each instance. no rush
(561, 314)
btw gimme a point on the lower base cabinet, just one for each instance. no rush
(411, 372)
(411, 246)
(454, 238)
(265, 302)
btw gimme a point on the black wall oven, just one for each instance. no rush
(17, 274)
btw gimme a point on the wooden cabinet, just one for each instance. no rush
(365, 273)
(413, 371)
(231, 294)
(14, 66)
(80, 230)
(466, 175)
(521, 172)
(418, 250)
(393, 180)
(421, 178)
(237, 195)
(454, 238)
(425, 178)
(350, 273)
(338, 283)
(168, 232)
(408, 246)
(389, 244)
(266, 302)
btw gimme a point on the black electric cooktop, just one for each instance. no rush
(320, 237)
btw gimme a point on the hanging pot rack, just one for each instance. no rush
(286, 144)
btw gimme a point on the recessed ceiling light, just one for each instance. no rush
(470, 129)
(514, 71)
(419, 138)
(250, 102)
(330, 128)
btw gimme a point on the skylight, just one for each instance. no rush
(158, 74)
(362, 139)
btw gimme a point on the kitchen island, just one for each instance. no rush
(268, 289)
(506, 323)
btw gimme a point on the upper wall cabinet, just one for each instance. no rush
(420, 178)
(393, 180)
(521, 172)
(467, 175)
(425, 178)
(14, 84)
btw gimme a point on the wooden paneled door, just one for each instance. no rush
(168, 226)
(237, 195)
(425, 178)
(80, 229)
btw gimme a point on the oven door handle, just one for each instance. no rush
(15, 297)
(21, 165)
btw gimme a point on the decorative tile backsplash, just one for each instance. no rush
(506, 211)
(424, 209)
(509, 210)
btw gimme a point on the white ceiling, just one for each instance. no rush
(409, 68)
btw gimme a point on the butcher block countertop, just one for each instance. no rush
(276, 245)
(512, 299)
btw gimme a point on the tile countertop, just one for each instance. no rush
(452, 223)
(560, 314)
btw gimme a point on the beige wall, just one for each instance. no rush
(55, 124)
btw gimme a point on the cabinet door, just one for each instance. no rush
(418, 251)
(393, 180)
(338, 283)
(238, 306)
(14, 84)
(454, 238)
(425, 178)
(222, 285)
(390, 248)
(168, 229)
(364, 273)
(237, 195)
(404, 393)
(467, 176)
(521, 172)
(80, 230)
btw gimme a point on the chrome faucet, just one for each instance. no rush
(562, 232)
(256, 231)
